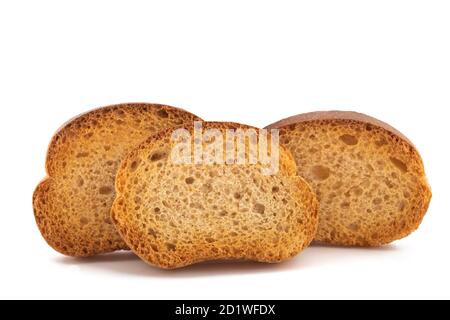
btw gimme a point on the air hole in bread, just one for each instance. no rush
(105, 190)
(380, 143)
(171, 246)
(82, 154)
(157, 156)
(349, 139)
(377, 201)
(285, 139)
(333, 234)
(237, 196)
(235, 171)
(153, 232)
(345, 205)
(207, 188)
(357, 191)
(389, 183)
(275, 189)
(134, 165)
(80, 182)
(121, 113)
(210, 240)
(163, 114)
(84, 221)
(190, 180)
(380, 163)
(402, 205)
(212, 174)
(320, 172)
(259, 208)
(399, 164)
(157, 210)
(196, 206)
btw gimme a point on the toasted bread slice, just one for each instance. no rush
(72, 205)
(369, 178)
(173, 215)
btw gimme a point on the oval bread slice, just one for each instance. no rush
(174, 215)
(72, 205)
(369, 178)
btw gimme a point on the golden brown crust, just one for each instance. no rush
(385, 193)
(72, 205)
(337, 116)
(174, 216)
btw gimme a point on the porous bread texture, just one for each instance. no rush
(368, 177)
(175, 215)
(72, 205)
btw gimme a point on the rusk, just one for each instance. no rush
(369, 178)
(72, 205)
(174, 215)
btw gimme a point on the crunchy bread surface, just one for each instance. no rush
(369, 178)
(72, 205)
(174, 215)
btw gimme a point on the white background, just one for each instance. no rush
(248, 61)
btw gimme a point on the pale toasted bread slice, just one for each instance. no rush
(72, 205)
(369, 178)
(174, 215)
